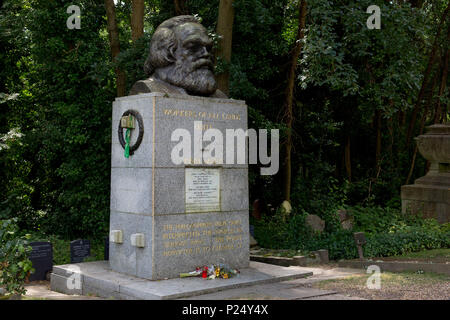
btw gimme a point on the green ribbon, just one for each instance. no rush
(127, 143)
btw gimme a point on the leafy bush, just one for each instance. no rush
(17, 192)
(14, 263)
(411, 240)
(340, 244)
(445, 227)
(63, 110)
(279, 232)
(388, 232)
(373, 220)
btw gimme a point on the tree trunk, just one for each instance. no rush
(416, 3)
(180, 7)
(440, 114)
(426, 77)
(401, 118)
(225, 31)
(347, 157)
(422, 124)
(289, 115)
(114, 44)
(378, 143)
(413, 162)
(137, 19)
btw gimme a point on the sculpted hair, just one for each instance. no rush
(164, 44)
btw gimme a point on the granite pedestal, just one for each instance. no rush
(162, 221)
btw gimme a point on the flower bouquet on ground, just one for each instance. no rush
(196, 273)
(220, 270)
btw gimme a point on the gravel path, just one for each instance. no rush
(398, 286)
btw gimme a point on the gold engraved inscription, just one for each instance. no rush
(201, 115)
(202, 237)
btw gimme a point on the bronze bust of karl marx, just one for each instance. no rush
(179, 61)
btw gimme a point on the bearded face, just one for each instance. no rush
(194, 78)
(192, 69)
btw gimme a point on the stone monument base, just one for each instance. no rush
(97, 278)
(430, 194)
(428, 197)
(170, 216)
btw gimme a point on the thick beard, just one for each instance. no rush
(199, 81)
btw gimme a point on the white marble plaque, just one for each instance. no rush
(202, 190)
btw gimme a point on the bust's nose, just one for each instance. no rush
(204, 53)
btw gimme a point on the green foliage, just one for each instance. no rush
(340, 244)
(132, 60)
(15, 266)
(292, 233)
(17, 200)
(63, 108)
(373, 220)
(343, 54)
(315, 189)
(361, 72)
(412, 239)
(278, 232)
(388, 232)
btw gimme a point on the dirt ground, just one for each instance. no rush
(394, 286)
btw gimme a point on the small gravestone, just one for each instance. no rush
(360, 240)
(315, 223)
(41, 257)
(106, 254)
(345, 219)
(79, 249)
(323, 256)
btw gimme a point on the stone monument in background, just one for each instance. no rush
(430, 194)
(166, 217)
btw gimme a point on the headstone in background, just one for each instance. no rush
(79, 249)
(346, 219)
(323, 256)
(42, 259)
(106, 254)
(315, 222)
